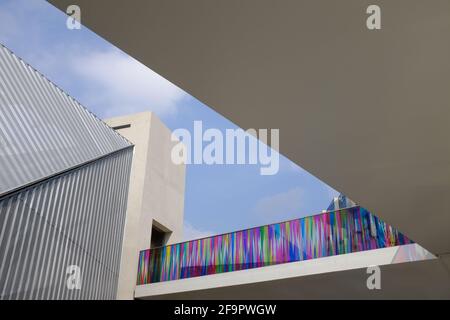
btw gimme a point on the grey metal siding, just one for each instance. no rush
(76, 218)
(43, 131)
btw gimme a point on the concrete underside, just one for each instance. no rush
(365, 111)
(316, 279)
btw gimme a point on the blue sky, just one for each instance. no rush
(219, 198)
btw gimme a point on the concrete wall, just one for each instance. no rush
(156, 192)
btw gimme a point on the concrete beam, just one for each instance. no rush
(338, 277)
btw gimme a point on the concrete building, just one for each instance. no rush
(332, 80)
(156, 196)
(384, 92)
(63, 191)
(75, 192)
(75, 195)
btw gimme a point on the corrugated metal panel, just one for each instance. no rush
(43, 131)
(74, 219)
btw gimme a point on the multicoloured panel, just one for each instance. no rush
(327, 234)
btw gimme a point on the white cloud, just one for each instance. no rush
(121, 83)
(286, 203)
(104, 79)
(190, 232)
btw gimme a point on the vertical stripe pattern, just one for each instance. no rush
(74, 219)
(63, 190)
(332, 233)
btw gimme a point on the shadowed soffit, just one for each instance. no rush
(365, 111)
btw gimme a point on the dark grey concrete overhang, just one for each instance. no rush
(366, 111)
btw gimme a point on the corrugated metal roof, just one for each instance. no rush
(43, 130)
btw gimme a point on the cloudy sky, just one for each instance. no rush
(219, 198)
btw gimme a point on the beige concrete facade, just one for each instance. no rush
(156, 194)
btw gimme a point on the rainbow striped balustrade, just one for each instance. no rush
(327, 234)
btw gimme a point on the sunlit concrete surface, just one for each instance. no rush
(156, 194)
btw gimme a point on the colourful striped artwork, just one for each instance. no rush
(327, 234)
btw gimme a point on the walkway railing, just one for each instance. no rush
(327, 234)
